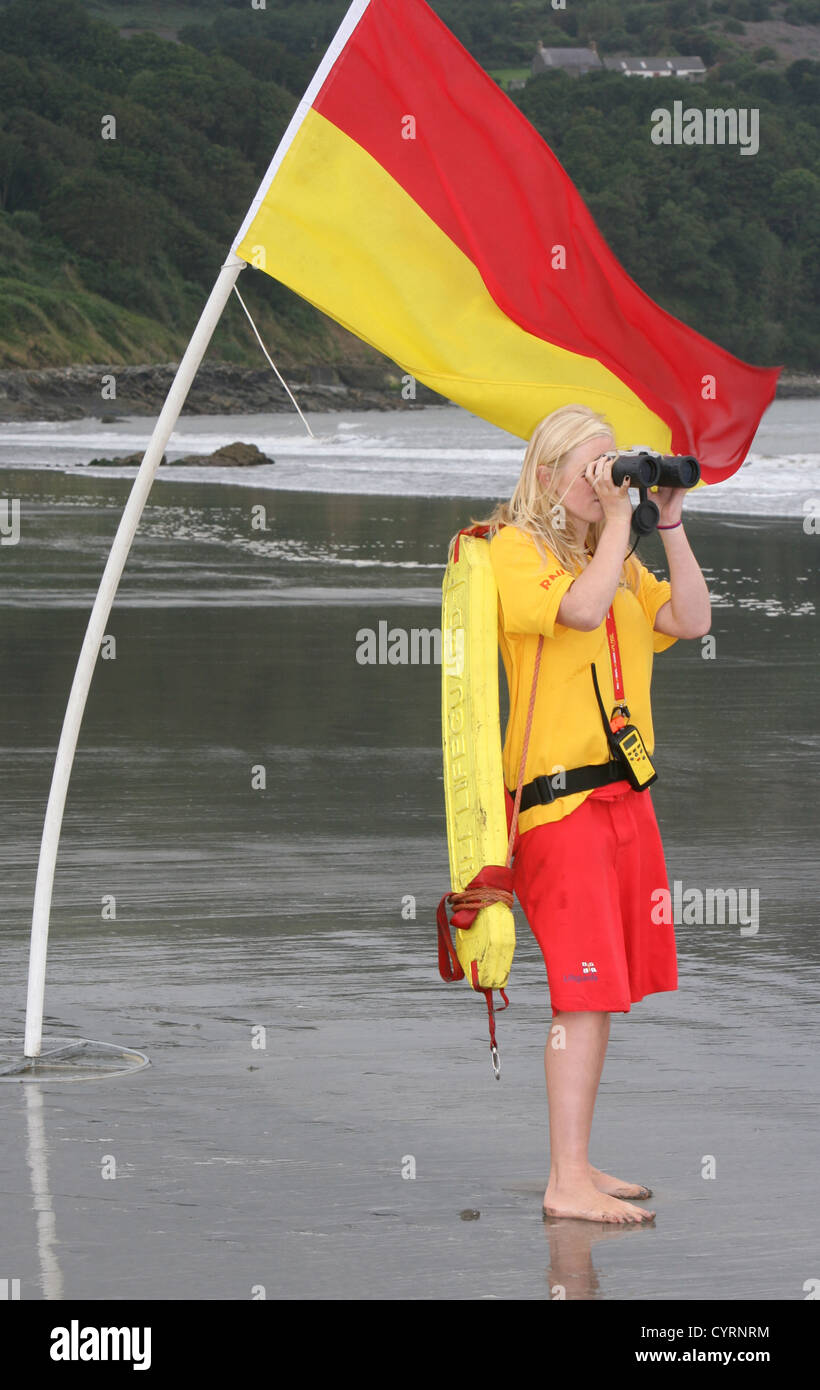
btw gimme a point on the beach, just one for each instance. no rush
(320, 1118)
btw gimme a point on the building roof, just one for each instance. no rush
(676, 64)
(567, 57)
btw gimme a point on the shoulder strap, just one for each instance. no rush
(521, 770)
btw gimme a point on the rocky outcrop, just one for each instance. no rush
(220, 388)
(237, 455)
(793, 385)
(74, 393)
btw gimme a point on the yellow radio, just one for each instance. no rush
(625, 742)
(629, 747)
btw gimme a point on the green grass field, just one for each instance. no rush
(504, 75)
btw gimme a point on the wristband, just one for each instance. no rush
(671, 527)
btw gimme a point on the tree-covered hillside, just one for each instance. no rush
(501, 32)
(109, 246)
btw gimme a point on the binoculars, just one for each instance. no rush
(645, 470)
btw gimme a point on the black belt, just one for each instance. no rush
(540, 791)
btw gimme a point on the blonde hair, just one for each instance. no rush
(535, 508)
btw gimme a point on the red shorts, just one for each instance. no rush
(586, 885)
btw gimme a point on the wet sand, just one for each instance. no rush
(240, 1167)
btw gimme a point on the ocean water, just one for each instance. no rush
(431, 452)
(320, 1118)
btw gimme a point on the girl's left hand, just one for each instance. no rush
(669, 501)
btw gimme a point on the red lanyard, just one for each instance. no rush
(617, 721)
(615, 657)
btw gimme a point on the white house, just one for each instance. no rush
(692, 69)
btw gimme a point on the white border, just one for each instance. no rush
(337, 43)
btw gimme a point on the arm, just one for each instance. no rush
(586, 602)
(688, 612)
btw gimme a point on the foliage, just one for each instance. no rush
(109, 247)
(133, 228)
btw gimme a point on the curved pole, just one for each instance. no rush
(95, 632)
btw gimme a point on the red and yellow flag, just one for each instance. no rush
(413, 202)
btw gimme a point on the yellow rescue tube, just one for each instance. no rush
(471, 744)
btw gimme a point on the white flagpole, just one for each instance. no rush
(112, 574)
(95, 632)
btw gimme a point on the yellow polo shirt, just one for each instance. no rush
(567, 730)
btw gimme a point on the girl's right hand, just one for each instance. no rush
(614, 501)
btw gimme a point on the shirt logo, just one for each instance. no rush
(556, 574)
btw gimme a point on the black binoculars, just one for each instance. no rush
(645, 470)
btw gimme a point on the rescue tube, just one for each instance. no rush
(471, 745)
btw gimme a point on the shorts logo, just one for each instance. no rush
(556, 574)
(590, 974)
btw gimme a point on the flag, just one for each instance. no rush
(412, 202)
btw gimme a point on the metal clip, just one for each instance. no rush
(496, 1063)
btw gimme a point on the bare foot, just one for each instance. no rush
(615, 1187)
(580, 1198)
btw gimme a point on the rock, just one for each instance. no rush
(123, 461)
(236, 455)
